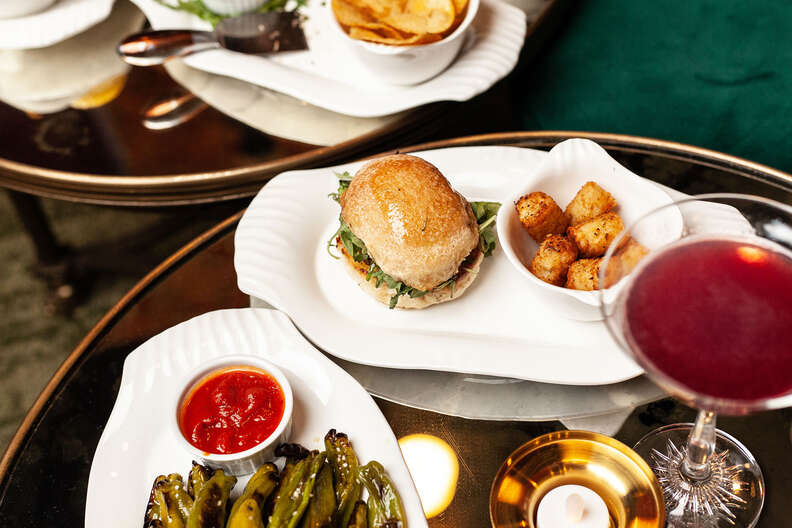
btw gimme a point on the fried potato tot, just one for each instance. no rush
(583, 274)
(630, 254)
(589, 202)
(593, 237)
(541, 216)
(553, 258)
(624, 261)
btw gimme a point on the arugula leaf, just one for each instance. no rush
(199, 9)
(485, 213)
(343, 184)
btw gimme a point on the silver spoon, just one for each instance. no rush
(249, 33)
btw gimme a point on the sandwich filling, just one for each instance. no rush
(354, 248)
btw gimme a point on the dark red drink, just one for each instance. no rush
(716, 316)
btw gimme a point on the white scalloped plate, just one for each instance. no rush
(497, 328)
(65, 18)
(136, 444)
(329, 76)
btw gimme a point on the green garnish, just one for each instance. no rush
(485, 213)
(199, 9)
(485, 216)
(343, 184)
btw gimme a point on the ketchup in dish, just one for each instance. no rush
(232, 410)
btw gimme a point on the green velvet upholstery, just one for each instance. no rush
(715, 74)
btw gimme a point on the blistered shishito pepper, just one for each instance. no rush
(359, 516)
(345, 466)
(259, 488)
(384, 504)
(198, 476)
(295, 492)
(246, 514)
(209, 510)
(322, 507)
(169, 503)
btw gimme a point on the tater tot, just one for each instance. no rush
(624, 261)
(630, 254)
(584, 274)
(593, 237)
(541, 216)
(589, 202)
(553, 258)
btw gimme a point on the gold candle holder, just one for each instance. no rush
(611, 469)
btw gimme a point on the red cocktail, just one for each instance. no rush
(709, 316)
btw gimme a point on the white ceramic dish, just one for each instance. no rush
(329, 75)
(245, 462)
(569, 165)
(406, 65)
(137, 445)
(63, 19)
(233, 7)
(15, 8)
(497, 328)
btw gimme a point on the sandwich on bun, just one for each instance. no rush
(408, 238)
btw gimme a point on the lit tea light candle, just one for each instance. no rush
(434, 468)
(572, 506)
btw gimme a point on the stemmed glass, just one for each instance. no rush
(707, 312)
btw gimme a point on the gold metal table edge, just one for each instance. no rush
(241, 182)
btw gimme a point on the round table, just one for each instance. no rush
(44, 473)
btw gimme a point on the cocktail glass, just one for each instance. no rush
(709, 479)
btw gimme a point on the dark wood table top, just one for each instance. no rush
(44, 473)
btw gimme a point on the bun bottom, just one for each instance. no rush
(383, 294)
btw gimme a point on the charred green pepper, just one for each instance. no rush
(295, 492)
(209, 510)
(198, 476)
(345, 466)
(359, 516)
(169, 503)
(322, 508)
(384, 504)
(246, 514)
(259, 488)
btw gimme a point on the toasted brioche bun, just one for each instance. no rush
(415, 226)
(358, 271)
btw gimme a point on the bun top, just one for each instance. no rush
(415, 226)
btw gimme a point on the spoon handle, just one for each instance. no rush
(155, 47)
(173, 111)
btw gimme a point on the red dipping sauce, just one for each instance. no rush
(232, 410)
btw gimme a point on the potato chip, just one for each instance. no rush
(371, 36)
(422, 16)
(399, 22)
(349, 14)
(385, 30)
(459, 8)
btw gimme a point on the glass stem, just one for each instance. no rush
(700, 447)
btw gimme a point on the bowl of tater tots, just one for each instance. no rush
(556, 230)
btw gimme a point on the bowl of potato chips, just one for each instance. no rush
(556, 230)
(403, 42)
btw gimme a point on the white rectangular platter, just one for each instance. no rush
(497, 328)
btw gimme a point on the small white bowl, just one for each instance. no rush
(567, 167)
(244, 462)
(233, 7)
(406, 65)
(18, 8)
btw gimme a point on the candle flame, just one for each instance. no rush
(434, 468)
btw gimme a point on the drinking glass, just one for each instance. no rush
(707, 312)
